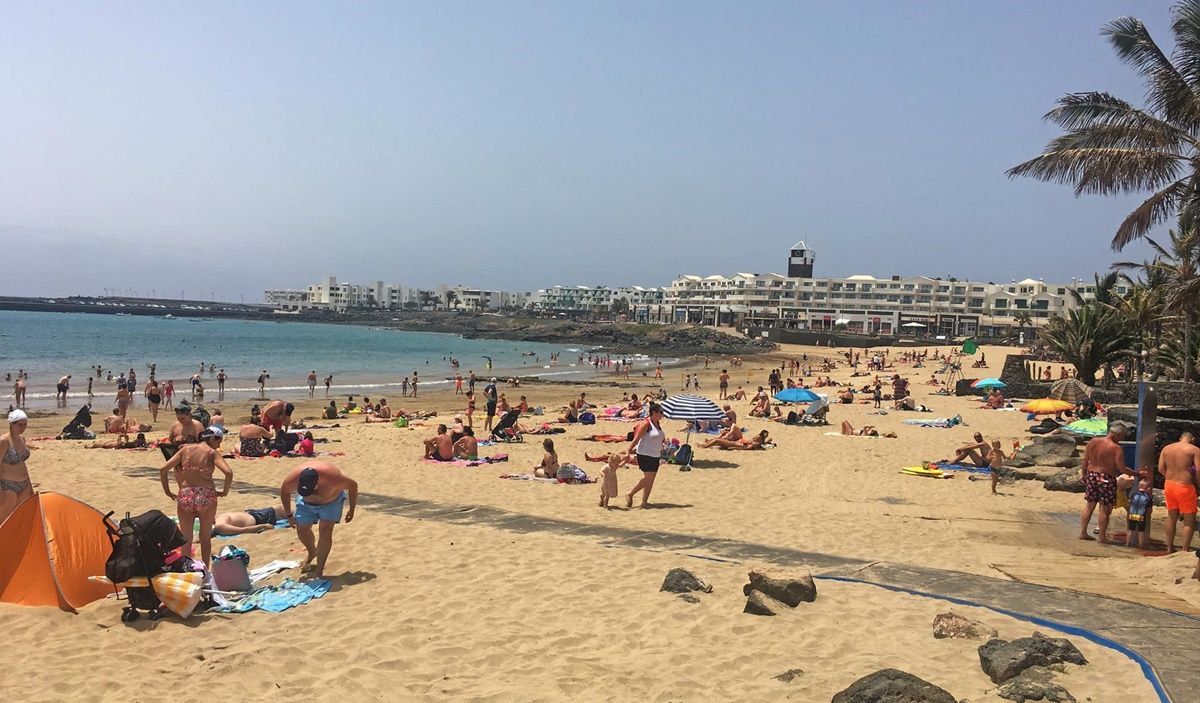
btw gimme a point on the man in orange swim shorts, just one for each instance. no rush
(1177, 463)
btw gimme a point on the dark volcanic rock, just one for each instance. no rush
(953, 625)
(893, 686)
(789, 675)
(1035, 684)
(1046, 450)
(689, 598)
(790, 591)
(1002, 660)
(684, 581)
(758, 604)
(1068, 480)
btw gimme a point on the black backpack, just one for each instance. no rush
(140, 546)
(199, 413)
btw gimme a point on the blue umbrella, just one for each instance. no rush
(989, 383)
(796, 395)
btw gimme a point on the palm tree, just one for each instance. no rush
(1106, 290)
(1111, 147)
(1142, 310)
(451, 299)
(1177, 267)
(1088, 338)
(1023, 319)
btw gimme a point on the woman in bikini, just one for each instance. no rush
(15, 485)
(197, 498)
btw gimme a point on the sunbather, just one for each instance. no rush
(248, 520)
(758, 441)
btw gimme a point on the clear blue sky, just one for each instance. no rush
(229, 147)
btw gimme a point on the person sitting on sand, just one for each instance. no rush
(633, 409)
(277, 415)
(730, 418)
(572, 415)
(467, 447)
(331, 412)
(977, 452)
(502, 405)
(253, 440)
(582, 403)
(115, 423)
(247, 521)
(121, 442)
(549, 466)
(305, 447)
(217, 419)
(439, 447)
(733, 434)
(995, 400)
(847, 396)
(381, 414)
(186, 429)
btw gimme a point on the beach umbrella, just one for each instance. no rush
(1046, 406)
(988, 383)
(796, 395)
(1091, 427)
(969, 347)
(1071, 390)
(691, 407)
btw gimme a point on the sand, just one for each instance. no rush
(425, 609)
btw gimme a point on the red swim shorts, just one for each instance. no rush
(272, 423)
(1180, 496)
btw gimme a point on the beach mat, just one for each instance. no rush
(924, 472)
(969, 468)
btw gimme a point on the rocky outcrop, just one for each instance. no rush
(759, 604)
(1035, 684)
(955, 626)
(1046, 450)
(1069, 480)
(893, 686)
(684, 581)
(789, 591)
(1003, 661)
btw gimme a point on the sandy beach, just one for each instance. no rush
(424, 609)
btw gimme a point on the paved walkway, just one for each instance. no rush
(1164, 638)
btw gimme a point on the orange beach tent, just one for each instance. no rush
(52, 543)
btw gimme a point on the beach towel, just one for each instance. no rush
(273, 567)
(941, 422)
(276, 599)
(969, 468)
(493, 459)
(609, 438)
(619, 419)
(528, 477)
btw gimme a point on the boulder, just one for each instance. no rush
(1035, 684)
(1068, 480)
(1046, 450)
(1002, 660)
(759, 604)
(1027, 473)
(892, 686)
(791, 591)
(789, 675)
(953, 625)
(684, 581)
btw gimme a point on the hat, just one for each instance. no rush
(211, 432)
(17, 416)
(308, 482)
(493, 379)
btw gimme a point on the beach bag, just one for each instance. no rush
(684, 455)
(539, 411)
(401, 422)
(570, 473)
(587, 418)
(229, 570)
(199, 413)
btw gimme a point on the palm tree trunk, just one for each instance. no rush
(1189, 363)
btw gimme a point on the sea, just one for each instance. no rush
(363, 360)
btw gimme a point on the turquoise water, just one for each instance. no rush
(361, 359)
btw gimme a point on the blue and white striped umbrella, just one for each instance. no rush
(691, 407)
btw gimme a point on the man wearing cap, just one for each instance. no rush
(489, 396)
(1103, 461)
(321, 491)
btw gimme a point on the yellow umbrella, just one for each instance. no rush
(1046, 406)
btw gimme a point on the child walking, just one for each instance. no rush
(996, 459)
(608, 478)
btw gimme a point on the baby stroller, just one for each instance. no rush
(506, 430)
(140, 548)
(77, 427)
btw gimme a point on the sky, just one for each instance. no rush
(222, 148)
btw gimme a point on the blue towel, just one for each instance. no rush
(276, 599)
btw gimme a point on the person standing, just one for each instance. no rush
(489, 402)
(458, 384)
(124, 395)
(312, 383)
(404, 386)
(169, 394)
(262, 383)
(321, 491)
(328, 383)
(15, 485)
(89, 391)
(1176, 464)
(221, 377)
(153, 398)
(414, 384)
(197, 497)
(64, 385)
(647, 445)
(19, 391)
(723, 384)
(1103, 461)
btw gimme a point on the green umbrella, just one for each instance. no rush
(969, 347)
(1091, 427)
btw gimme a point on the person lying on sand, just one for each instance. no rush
(733, 434)
(625, 457)
(121, 442)
(248, 520)
(866, 431)
(758, 441)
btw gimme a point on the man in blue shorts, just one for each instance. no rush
(321, 492)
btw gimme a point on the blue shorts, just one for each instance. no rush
(330, 512)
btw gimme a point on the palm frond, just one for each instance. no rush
(1166, 89)
(1186, 27)
(1153, 211)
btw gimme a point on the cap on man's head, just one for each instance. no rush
(211, 432)
(308, 482)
